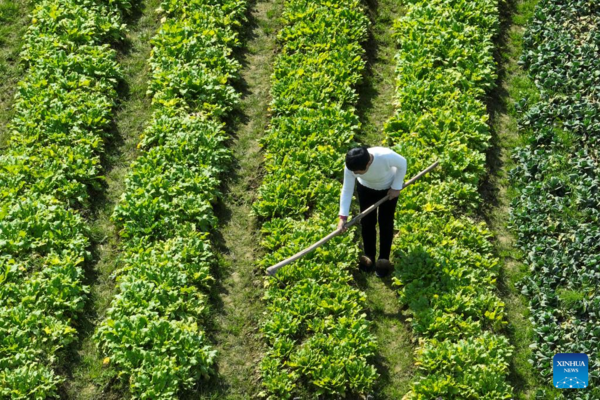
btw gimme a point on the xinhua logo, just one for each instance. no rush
(570, 370)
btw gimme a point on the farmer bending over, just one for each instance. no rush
(380, 172)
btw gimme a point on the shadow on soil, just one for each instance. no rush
(366, 89)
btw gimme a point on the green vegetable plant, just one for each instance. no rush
(318, 337)
(555, 213)
(153, 333)
(63, 107)
(446, 270)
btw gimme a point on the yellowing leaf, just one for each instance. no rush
(69, 329)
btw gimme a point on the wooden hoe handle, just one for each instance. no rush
(273, 269)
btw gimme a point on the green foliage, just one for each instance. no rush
(470, 368)
(556, 211)
(63, 108)
(153, 333)
(318, 336)
(152, 330)
(446, 271)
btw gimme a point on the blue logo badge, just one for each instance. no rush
(570, 370)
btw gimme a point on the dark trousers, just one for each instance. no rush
(384, 214)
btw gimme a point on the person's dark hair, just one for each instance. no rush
(357, 158)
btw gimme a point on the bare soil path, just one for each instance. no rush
(14, 20)
(88, 379)
(375, 107)
(238, 307)
(513, 84)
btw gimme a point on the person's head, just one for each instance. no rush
(357, 159)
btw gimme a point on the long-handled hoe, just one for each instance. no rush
(273, 269)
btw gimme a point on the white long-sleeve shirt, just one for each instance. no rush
(386, 171)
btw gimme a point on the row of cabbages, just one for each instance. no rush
(556, 213)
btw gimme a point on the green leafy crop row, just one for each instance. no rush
(556, 213)
(446, 271)
(63, 108)
(318, 336)
(153, 331)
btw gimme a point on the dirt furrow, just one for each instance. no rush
(237, 295)
(89, 379)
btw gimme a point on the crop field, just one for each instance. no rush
(157, 156)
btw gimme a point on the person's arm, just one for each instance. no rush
(346, 194)
(396, 160)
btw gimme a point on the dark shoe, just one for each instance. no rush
(383, 268)
(365, 264)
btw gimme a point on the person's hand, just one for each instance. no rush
(341, 227)
(392, 194)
